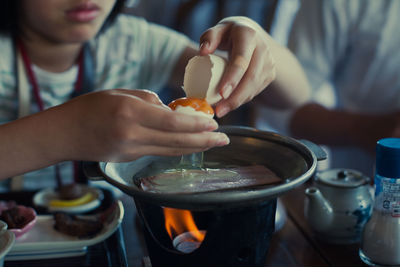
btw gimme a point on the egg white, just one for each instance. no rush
(191, 111)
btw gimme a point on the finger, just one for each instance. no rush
(146, 136)
(211, 39)
(144, 94)
(250, 85)
(243, 47)
(171, 121)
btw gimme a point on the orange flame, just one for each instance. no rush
(179, 221)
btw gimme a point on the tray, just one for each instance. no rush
(44, 242)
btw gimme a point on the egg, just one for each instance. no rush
(192, 106)
(202, 76)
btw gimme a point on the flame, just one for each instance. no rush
(179, 221)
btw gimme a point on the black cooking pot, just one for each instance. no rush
(292, 160)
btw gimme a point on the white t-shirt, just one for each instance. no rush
(353, 46)
(131, 54)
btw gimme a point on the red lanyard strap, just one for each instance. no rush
(79, 84)
(32, 77)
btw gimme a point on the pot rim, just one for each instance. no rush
(225, 198)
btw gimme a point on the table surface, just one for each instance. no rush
(293, 245)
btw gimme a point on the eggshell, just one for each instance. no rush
(202, 76)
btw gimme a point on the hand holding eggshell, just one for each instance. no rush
(251, 66)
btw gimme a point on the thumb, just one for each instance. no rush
(144, 94)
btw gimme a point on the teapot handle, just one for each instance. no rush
(319, 153)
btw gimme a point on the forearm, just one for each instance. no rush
(290, 88)
(29, 143)
(340, 128)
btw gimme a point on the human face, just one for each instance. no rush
(63, 21)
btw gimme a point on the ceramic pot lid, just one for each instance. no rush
(342, 178)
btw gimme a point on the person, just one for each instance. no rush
(348, 50)
(61, 48)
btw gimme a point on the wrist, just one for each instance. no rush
(53, 135)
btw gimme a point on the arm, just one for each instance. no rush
(112, 125)
(290, 88)
(254, 61)
(341, 128)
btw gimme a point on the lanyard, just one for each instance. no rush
(32, 77)
(24, 96)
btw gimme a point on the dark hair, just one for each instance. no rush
(9, 15)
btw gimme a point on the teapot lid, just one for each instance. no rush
(342, 178)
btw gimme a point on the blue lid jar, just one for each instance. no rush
(388, 157)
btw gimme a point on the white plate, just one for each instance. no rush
(44, 242)
(43, 198)
(7, 240)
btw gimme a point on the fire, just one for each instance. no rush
(180, 221)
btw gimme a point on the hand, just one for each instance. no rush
(251, 66)
(123, 125)
(372, 128)
(343, 128)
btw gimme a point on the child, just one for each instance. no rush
(54, 50)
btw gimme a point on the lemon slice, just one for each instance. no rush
(73, 202)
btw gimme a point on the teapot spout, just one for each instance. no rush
(318, 211)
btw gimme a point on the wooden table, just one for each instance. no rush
(293, 245)
(296, 245)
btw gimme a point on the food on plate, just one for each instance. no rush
(13, 218)
(72, 195)
(193, 106)
(19, 219)
(71, 191)
(86, 198)
(77, 226)
(202, 77)
(50, 199)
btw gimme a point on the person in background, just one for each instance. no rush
(349, 52)
(53, 50)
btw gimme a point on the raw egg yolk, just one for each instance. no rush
(196, 103)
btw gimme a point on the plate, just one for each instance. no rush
(44, 242)
(7, 240)
(3, 227)
(43, 198)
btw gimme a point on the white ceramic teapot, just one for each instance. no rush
(338, 205)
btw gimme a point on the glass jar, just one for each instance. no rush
(380, 241)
